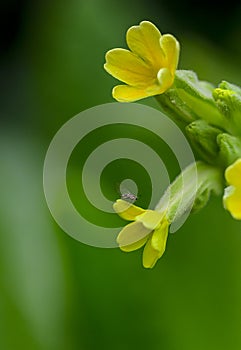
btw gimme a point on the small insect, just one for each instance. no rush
(128, 196)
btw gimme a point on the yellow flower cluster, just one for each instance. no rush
(148, 68)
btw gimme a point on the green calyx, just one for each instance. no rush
(229, 149)
(191, 190)
(203, 139)
(190, 99)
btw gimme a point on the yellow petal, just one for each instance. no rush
(159, 237)
(127, 210)
(232, 201)
(171, 48)
(165, 79)
(144, 40)
(156, 245)
(150, 255)
(233, 173)
(129, 68)
(126, 93)
(132, 234)
(150, 219)
(134, 246)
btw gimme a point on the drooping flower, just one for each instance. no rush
(190, 191)
(148, 68)
(232, 194)
(149, 228)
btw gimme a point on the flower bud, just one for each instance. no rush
(203, 138)
(229, 148)
(229, 103)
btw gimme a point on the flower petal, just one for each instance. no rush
(165, 79)
(134, 246)
(144, 41)
(171, 48)
(156, 245)
(132, 234)
(150, 219)
(159, 237)
(127, 210)
(150, 255)
(232, 201)
(126, 93)
(233, 173)
(128, 67)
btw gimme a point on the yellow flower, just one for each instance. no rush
(148, 68)
(150, 228)
(232, 194)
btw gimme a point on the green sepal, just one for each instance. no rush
(229, 149)
(191, 190)
(201, 200)
(203, 138)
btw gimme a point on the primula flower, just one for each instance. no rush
(232, 194)
(150, 228)
(148, 68)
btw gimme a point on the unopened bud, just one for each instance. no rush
(203, 138)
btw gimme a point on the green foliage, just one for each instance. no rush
(57, 293)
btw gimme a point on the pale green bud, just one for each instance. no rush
(228, 86)
(229, 104)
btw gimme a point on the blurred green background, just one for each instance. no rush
(56, 293)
